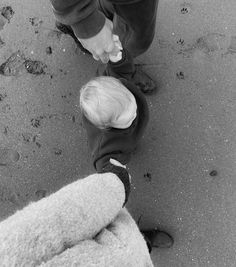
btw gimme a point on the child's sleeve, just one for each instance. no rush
(121, 173)
(121, 69)
(103, 148)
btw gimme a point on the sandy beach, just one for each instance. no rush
(184, 172)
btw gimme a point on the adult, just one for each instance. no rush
(83, 224)
(92, 24)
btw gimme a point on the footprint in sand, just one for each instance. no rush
(185, 8)
(232, 46)
(6, 14)
(2, 43)
(14, 65)
(7, 193)
(17, 63)
(8, 156)
(206, 45)
(2, 22)
(212, 42)
(41, 193)
(36, 23)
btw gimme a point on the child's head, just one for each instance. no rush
(106, 102)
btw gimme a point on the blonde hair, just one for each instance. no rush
(103, 100)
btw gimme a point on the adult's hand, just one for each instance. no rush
(101, 44)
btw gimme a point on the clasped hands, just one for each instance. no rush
(105, 45)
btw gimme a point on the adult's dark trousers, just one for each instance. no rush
(133, 23)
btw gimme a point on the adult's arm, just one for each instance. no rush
(94, 31)
(83, 224)
(77, 212)
(119, 244)
(83, 15)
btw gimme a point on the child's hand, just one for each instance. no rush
(117, 163)
(116, 54)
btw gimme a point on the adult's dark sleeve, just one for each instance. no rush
(82, 15)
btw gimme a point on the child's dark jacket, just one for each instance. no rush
(117, 143)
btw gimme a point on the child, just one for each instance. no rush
(115, 115)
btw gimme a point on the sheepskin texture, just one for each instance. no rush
(83, 224)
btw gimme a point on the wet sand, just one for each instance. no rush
(183, 174)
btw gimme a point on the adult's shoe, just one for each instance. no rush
(68, 30)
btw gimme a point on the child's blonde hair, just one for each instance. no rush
(103, 100)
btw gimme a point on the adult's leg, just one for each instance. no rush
(135, 26)
(133, 23)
